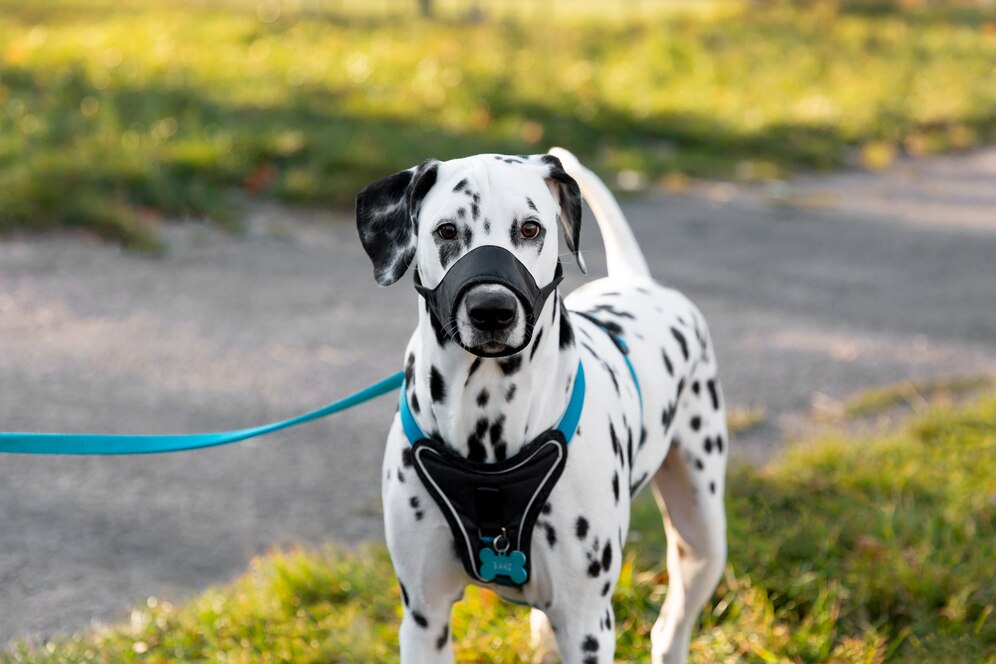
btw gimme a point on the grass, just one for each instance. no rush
(842, 551)
(740, 419)
(114, 115)
(914, 394)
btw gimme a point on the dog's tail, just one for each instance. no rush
(622, 253)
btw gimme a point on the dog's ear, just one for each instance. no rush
(566, 191)
(387, 217)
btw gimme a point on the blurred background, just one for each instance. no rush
(118, 113)
(178, 254)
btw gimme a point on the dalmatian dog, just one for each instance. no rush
(664, 426)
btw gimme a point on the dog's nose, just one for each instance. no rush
(490, 310)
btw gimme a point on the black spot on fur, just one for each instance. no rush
(420, 620)
(536, 343)
(448, 250)
(616, 447)
(712, 487)
(444, 638)
(510, 393)
(629, 448)
(510, 365)
(532, 206)
(719, 444)
(475, 441)
(696, 423)
(413, 501)
(461, 185)
(547, 508)
(404, 592)
(607, 556)
(497, 444)
(401, 476)
(566, 331)
(708, 445)
(482, 398)
(637, 485)
(699, 465)
(437, 387)
(406, 457)
(474, 366)
(668, 415)
(695, 388)
(713, 393)
(610, 309)
(590, 644)
(581, 528)
(437, 329)
(605, 588)
(410, 371)
(594, 569)
(681, 341)
(615, 486)
(610, 326)
(551, 534)
(667, 363)
(416, 408)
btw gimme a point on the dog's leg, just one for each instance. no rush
(585, 630)
(425, 626)
(689, 490)
(543, 641)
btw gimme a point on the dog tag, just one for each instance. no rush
(511, 565)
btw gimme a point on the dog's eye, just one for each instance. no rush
(530, 229)
(446, 231)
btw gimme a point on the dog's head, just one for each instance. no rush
(436, 213)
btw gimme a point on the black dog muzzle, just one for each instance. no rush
(487, 265)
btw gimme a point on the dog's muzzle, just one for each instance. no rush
(487, 265)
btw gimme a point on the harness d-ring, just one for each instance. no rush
(501, 539)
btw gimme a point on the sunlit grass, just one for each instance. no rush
(112, 114)
(843, 551)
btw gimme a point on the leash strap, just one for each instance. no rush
(92, 444)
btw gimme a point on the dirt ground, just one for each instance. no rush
(813, 291)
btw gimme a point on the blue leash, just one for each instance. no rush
(74, 443)
(109, 444)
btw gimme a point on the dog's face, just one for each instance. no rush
(436, 213)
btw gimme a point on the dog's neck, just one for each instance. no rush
(488, 409)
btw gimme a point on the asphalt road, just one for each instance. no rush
(823, 288)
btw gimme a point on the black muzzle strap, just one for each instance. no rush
(487, 265)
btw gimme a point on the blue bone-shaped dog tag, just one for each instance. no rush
(512, 565)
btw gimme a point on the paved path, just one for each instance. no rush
(833, 285)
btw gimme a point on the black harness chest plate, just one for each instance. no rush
(492, 507)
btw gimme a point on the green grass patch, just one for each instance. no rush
(842, 551)
(914, 394)
(113, 114)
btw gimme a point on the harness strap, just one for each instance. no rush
(567, 426)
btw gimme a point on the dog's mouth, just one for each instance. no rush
(490, 321)
(489, 348)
